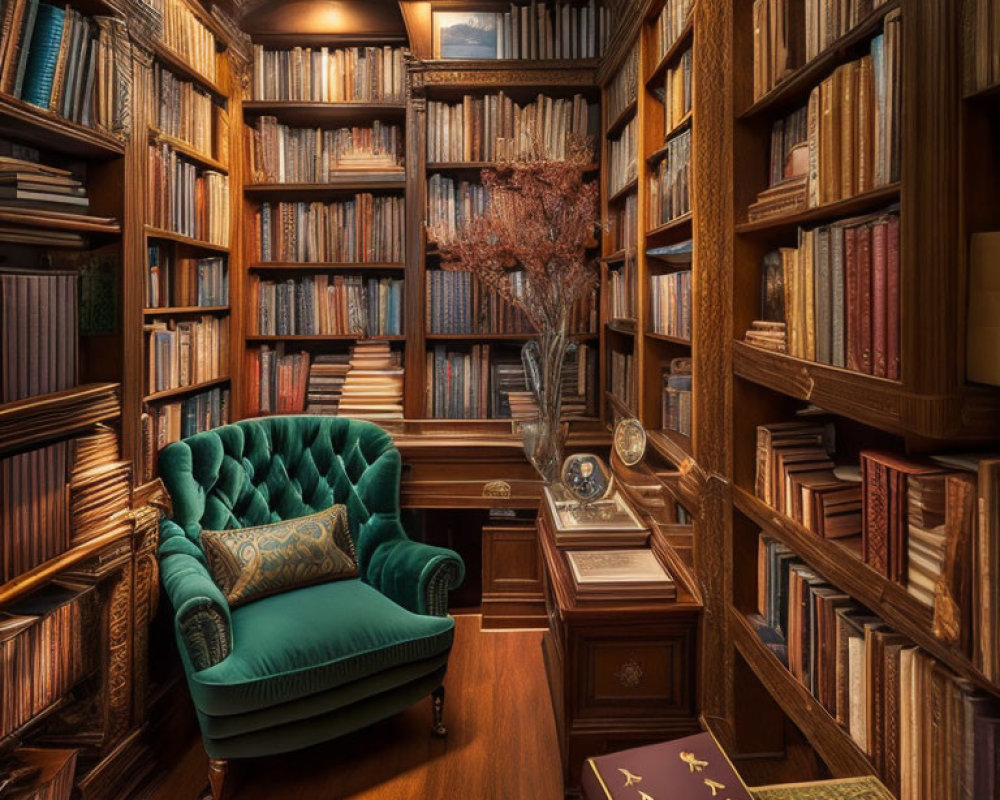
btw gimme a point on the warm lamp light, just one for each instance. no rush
(326, 17)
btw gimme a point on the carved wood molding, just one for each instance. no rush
(465, 74)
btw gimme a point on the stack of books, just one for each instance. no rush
(282, 154)
(373, 388)
(38, 323)
(327, 374)
(28, 184)
(768, 335)
(100, 485)
(365, 229)
(609, 576)
(495, 128)
(325, 75)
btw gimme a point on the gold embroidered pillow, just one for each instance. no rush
(249, 563)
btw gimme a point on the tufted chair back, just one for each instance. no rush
(259, 471)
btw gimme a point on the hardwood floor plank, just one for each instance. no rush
(501, 742)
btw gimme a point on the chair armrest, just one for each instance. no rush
(202, 619)
(415, 575)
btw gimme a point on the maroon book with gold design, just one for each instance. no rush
(692, 768)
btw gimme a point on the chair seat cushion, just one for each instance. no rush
(313, 639)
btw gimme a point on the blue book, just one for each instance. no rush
(43, 55)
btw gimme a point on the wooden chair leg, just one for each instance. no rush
(437, 706)
(218, 770)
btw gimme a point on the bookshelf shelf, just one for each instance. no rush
(170, 236)
(873, 401)
(623, 118)
(22, 120)
(843, 567)
(624, 192)
(321, 266)
(672, 445)
(830, 740)
(664, 337)
(663, 149)
(859, 204)
(293, 112)
(625, 327)
(800, 82)
(50, 416)
(345, 183)
(43, 573)
(186, 150)
(58, 221)
(619, 257)
(176, 64)
(681, 225)
(519, 78)
(681, 43)
(179, 310)
(166, 394)
(325, 337)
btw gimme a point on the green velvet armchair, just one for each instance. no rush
(293, 669)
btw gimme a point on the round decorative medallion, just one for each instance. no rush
(630, 441)
(586, 477)
(629, 674)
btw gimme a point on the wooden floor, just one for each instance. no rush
(501, 743)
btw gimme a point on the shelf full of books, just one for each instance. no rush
(190, 42)
(329, 74)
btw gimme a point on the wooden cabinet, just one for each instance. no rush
(513, 595)
(620, 674)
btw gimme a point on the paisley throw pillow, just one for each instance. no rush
(249, 563)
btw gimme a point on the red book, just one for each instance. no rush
(880, 289)
(692, 768)
(852, 300)
(864, 256)
(892, 299)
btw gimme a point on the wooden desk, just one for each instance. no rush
(620, 674)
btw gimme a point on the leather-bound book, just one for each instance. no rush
(880, 290)
(953, 593)
(892, 298)
(691, 768)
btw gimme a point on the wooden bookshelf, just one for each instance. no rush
(170, 236)
(39, 419)
(293, 112)
(180, 146)
(343, 183)
(179, 391)
(180, 67)
(184, 311)
(325, 337)
(324, 266)
(20, 120)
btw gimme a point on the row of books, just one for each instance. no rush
(676, 400)
(187, 36)
(38, 332)
(826, 21)
(371, 386)
(677, 95)
(183, 200)
(330, 75)
(185, 282)
(182, 110)
(621, 377)
(488, 382)
(623, 89)
(68, 63)
(669, 23)
(623, 161)
(451, 204)
(669, 185)
(838, 294)
(561, 30)
(48, 644)
(178, 419)
(982, 59)
(186, 352)
(625, 218)
(328, 305)
(366, 228)
(849, 141)
(621, 290)
(495, 128)
(34, 514)
(670, 303)
(890, 696)
(283, 154)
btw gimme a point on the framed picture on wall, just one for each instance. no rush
(465, 34)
